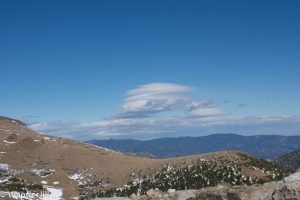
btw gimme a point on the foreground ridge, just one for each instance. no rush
(286, 189)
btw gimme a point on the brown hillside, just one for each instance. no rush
(58, 161)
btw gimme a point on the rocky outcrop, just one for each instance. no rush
(256, 192)
(287, 192)
(289, 189)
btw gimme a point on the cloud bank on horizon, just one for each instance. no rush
(168, 109)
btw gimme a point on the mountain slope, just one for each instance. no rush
(24, 150)
(262, 146)
(290, 160)
(30, 161)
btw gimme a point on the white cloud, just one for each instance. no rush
(203, 109)
(149, 109)
(154, 98)
(206, 112)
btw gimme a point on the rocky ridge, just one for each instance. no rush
(286, 189)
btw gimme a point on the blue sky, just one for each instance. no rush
(87, 69)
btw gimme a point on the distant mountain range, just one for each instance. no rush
(262, 146)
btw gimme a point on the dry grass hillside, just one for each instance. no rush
(74, 167)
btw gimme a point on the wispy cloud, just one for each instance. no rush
(154, 98)
(147, 128)
(163, 109)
